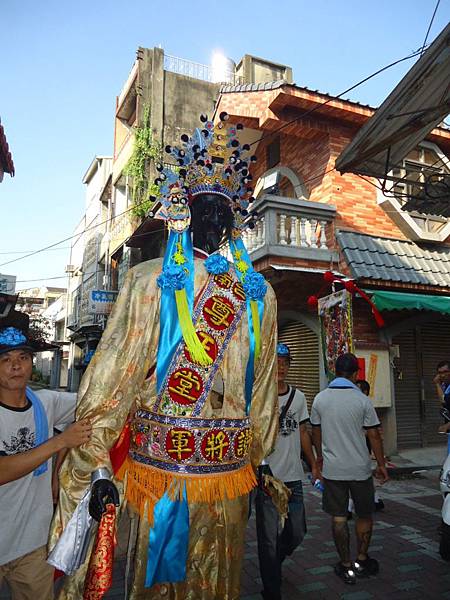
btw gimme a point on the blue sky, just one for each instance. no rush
(64, 63)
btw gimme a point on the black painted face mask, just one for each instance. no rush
(212, 220)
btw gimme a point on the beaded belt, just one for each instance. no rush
(193, 446)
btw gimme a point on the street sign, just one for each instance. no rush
(101, 301)
(7, 284)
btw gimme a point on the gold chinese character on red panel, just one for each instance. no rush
(208, 343)
(185, 386)
(224, 280)
(219, 312)
(238, 291)
(215, 445)
(242, 443)
(180, 444)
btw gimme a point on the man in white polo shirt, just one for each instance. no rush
(340, 415)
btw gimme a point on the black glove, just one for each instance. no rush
(103, 492)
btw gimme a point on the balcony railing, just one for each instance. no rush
(291, 228)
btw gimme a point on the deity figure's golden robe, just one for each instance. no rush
(121, 378)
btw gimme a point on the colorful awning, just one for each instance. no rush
(402, 301)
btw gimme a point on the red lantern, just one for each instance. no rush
(329, 277)
(313, 301)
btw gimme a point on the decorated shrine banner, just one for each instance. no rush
(336, 331)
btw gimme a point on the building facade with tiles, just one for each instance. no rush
(313, 219)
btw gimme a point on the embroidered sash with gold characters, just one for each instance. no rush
(171, 445)
(216, 317)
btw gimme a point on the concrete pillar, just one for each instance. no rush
(157, 96)
(56, 369)
(390, 422)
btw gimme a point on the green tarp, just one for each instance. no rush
(400, 301)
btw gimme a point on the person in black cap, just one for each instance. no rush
(27, 419)
(340, 416)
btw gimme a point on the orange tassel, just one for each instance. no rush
(144, 486)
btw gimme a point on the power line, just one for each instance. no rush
(429, 27)
(25, 251)
(308, 112)
(40, 279)
(51, 246)
(78, 234)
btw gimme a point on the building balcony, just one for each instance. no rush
(292, 228)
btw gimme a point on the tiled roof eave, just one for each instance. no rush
(401, 262)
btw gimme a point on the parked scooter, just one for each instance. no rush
(444, 478)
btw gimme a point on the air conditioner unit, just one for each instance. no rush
(70, 268)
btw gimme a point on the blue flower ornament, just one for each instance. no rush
(216, 264)
(255, 285)
(172, 277)
(12, 337)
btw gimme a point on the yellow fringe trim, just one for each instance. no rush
(196, 350)
(144, 486)
(256, 328)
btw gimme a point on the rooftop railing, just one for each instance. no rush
(174, 64)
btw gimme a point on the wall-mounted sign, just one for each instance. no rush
(7, 284)
(378, 375)
(101, 301)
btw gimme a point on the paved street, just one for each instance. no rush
(405, 542)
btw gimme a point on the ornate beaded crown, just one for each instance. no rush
(212, 161)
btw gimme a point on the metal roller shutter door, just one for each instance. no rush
(407, 392)
(416, 403)
(435, 337)
(304, 346)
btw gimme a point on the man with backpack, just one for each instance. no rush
(276, 539)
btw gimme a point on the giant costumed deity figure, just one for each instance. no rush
(187, 366)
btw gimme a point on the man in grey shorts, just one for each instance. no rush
(340, 415)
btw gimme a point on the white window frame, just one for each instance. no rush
(405, 220)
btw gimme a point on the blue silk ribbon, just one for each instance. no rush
(250, 369)
(40, 426)
(238, 244)
(170, 332)
(168, 541)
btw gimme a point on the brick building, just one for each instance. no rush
(313, 219)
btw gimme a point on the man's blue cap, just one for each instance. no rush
(283, 351)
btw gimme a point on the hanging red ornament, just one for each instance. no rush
(313, 301)
(350, 286)
(329, 277)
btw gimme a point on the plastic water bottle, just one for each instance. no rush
(316, 483)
